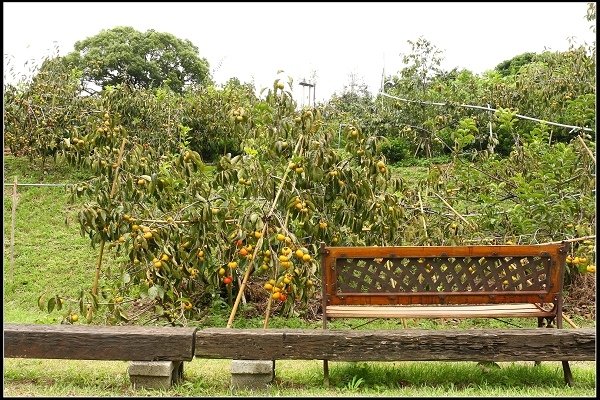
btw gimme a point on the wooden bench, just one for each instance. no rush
(445, 282)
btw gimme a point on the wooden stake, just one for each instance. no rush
(587, 148)
(239, 280)
(98, 265)
(579, 239)
(268, 313)
(569, 321)
(422, 214)
(453, 210)
(245, 280)
(12, 232)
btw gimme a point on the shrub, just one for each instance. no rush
(396, 149)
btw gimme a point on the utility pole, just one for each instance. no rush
(310, 86)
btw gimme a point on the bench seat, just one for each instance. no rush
(439, 311)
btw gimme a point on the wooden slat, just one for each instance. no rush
(460, 307)
(99, 342)
(481, 311)
(397, 345)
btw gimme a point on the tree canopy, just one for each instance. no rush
(142, 59)
(512, 66)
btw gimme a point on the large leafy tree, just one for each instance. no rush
(512, 66)
(142, 59)
(416, 81)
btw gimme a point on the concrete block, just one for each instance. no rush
(252, 374)
(155, 374)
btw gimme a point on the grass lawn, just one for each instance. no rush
(29, 377)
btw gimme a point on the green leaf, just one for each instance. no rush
(153, 292)
(161, 292)
(158, 310)
(94, 300)
(51, 304)
(41, 303)
(123, 316)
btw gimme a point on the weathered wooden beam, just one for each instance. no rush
(130, 343)
(164, 343)
(398, 345)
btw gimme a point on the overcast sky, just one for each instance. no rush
(252, 41)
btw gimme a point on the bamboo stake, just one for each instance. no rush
(239, 280)
(259, 243)
(587, 148)
(579, 239)
(422, 214)
(12, 232)
(245, 280)
(569, 321)
(453, 210)
(268, 312)
(98, 265)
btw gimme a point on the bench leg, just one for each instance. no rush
(540, 324)
(326, 373)
(567, 373)
(565, 364)
(325, 362)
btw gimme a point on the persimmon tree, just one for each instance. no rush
(39, 114)
(188, 231)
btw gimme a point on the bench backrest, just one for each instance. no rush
(442, 274)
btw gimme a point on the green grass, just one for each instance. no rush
(304, 378)
(411, 175)
(52, 257)
(28, 171)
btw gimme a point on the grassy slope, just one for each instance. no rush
(52, 256)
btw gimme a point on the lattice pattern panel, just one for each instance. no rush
(442, 274)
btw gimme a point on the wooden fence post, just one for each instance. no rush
(11, 273)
